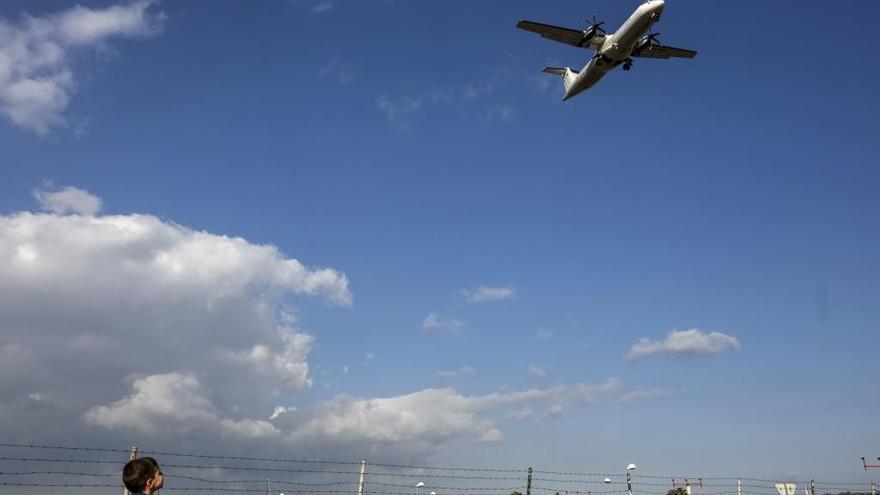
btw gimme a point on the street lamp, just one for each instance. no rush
(629, 484)
(607, 481)
(419, 485)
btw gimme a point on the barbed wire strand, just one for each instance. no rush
(756, 489)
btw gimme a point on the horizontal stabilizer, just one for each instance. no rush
(559, 71)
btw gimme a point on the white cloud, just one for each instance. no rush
(133, 323)
(520, 414)
(129, 326)
(83, 26)
(537, 372)
(434, 322)
(368, 359)
(322, 8)
(36, 57)
(544, 334)
(463, 371)
(68, 200)
(488, 294)
(399, 109)
(642, 394)
(279, 410)
(425, 419)
(176, 403)
(691, 342)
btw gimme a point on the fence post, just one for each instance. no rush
(131, 456)
(529, 482)
(361, 477)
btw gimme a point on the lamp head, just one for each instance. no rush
(420, 484)
(631, 467)
(607, 480)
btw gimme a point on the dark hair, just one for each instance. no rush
(137, 472)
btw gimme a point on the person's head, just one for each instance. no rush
(142, 475)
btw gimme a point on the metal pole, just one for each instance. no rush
(267, 488)
(629, 483)
(361, 478)
(529, 482)
(131, 456)
(739, 486)
(812, 487)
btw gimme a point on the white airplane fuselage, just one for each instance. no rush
(615, 48)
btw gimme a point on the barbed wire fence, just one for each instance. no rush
(69, 470)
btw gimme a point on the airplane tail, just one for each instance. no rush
(568, 75)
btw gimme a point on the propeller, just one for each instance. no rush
(595, 26)
(652, 39)
(648, 41)
(590, 32)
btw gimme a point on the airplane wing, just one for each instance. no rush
(572, 37)
(663, 51)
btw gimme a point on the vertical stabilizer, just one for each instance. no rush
(568, 75)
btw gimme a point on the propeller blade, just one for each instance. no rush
(595, 25)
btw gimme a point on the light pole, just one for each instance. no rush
(629, 484)
(607, 481)
(419, 485)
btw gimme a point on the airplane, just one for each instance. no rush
(633, 39)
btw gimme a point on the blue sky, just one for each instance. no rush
(416, 148)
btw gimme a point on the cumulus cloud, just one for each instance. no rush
(488, 294)
(430, 417)
(691, 342)
(68, 200)
(132, 323)
(124, 327)
(173, 402)
(36, 57)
